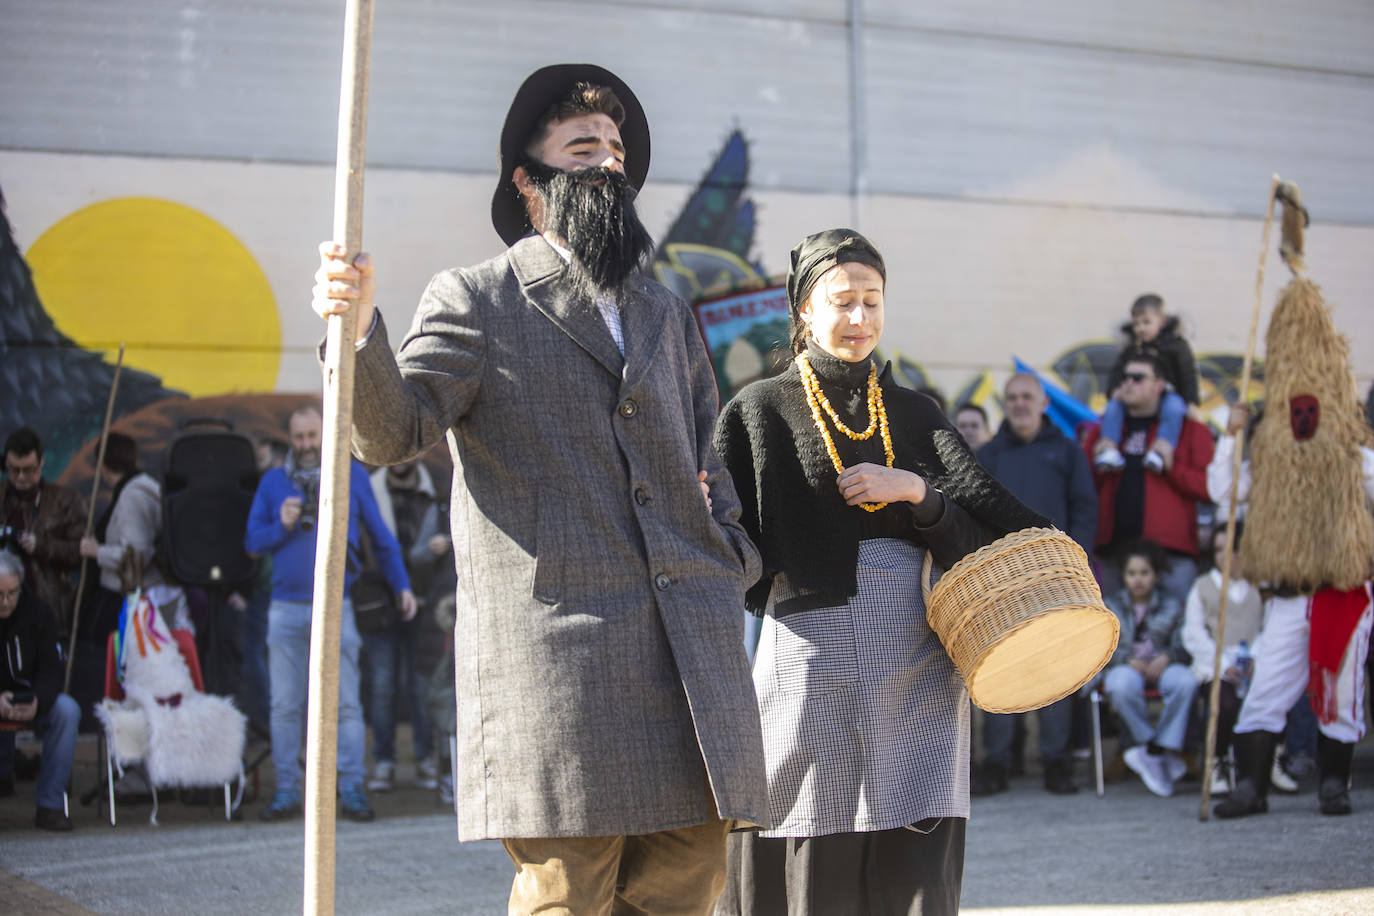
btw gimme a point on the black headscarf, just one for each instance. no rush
(816, 254)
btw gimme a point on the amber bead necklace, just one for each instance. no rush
(877, 418)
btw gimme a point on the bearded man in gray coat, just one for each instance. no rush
(607, 727)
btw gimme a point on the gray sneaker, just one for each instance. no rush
(427, 773)
(1280, 781)
(382, 775)
(1221, 777)
(1150, 769)
(1174, 766)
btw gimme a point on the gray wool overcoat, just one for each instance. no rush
(603, 687)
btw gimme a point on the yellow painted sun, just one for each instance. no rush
(186, 297)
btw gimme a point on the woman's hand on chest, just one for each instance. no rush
(873, 483)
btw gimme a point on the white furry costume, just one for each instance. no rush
(185, 738)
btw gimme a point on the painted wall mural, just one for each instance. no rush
(742, 312)
(201, 322)
(48, 380)
(205, 335)
(189, 298)
(706, 249)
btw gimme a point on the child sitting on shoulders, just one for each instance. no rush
(1153, 331)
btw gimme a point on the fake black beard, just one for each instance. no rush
(592, 210)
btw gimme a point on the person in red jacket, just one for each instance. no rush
(1134, 502)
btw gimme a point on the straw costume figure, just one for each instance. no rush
(1309, 539)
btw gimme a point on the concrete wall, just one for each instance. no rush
(1027, 171)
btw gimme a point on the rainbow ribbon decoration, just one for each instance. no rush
(137, 613)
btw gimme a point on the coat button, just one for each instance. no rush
(641, 496)
(662, 581)
(628, 408)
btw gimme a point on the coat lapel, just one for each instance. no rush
(642, 319)
(539, 268)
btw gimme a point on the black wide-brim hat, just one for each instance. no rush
(541, 89)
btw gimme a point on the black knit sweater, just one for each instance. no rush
(786, 483)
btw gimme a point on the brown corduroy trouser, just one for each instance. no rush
(668, 873)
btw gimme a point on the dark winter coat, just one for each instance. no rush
(1049, 474)
(31, 658)
(57, 527)
(1180, 368)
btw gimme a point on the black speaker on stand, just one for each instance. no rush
(209, 478)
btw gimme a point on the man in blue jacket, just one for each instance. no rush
(1047, 471)
(283, 523)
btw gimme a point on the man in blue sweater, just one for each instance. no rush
(283, 523)
(1047, 471)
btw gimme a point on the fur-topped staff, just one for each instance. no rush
(1214, 700)
(1308, 524)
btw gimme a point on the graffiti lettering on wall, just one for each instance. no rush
(746, 336)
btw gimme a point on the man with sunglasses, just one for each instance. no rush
(42, 524)
(1133, 502)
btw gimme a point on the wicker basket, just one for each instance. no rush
(1023, 620)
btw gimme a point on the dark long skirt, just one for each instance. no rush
(917, 871)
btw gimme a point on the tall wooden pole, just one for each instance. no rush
(335, 467)
(1214, 699)
(90, 517)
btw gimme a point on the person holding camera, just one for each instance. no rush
(283, 523)
(30, 693)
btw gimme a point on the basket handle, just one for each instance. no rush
(926, 565)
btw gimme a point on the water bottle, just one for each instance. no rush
(1245, 664)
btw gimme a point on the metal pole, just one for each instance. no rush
(90, 517)
(335, 466)
(1214, 699)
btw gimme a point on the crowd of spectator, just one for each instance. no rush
(1139, 490)
(1047, 471)
(403, 512)
(1128, 490)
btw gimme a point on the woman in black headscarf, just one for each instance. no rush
(847, 480)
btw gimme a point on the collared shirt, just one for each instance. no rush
(605, 304)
